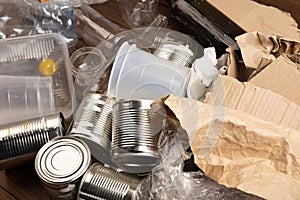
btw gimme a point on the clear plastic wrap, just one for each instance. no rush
(169, 181)
(30, 17)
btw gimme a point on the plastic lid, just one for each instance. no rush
(62, 160)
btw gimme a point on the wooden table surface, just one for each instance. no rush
(23, 183)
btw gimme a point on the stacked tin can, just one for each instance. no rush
(19, 142)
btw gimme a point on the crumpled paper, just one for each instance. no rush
(168, 180)
(242, 151)
(204, 72)
(259, 50)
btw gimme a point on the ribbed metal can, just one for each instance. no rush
(137, 126)
(60, 164)
(101, 182)
(176, 53)
(93, 124)
(19, 142)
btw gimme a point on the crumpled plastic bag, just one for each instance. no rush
(30, 17)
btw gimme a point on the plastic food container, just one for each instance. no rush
(137, 74)
(35, 77)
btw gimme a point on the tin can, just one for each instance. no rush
(137, 126)
(101, 182)
(60, 164)
(19, 142)
(93, 124)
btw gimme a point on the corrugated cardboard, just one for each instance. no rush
(256, 101)
(252, 16)
(240, 150)
(281, 76)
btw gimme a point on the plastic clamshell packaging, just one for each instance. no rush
(35, 77)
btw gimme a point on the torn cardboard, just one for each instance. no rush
(259, 50)
(252, 16)
(240, 150)
(281, 76)
(256, 101)
(236, 68)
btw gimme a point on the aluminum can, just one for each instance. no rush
(19, 142)
(101, 182)
(93, 124)
(137, 126)
(60, 164)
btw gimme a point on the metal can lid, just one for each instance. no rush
(62, 160)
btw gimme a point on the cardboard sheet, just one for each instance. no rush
(281, 76)
(256, 101)
(252, 16)
(240, 150)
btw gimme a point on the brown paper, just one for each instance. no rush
(252, 16)
(259, 50)
(281, 76)
(256, 101)
(240, 150)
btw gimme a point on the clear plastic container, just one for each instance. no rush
(35, 78)
(139, 13)
(30, 95)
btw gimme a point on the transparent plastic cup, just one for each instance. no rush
(137, 74)
(25, 97)
(139, 13)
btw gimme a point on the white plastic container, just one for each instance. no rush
(137, 74)
(35, 78)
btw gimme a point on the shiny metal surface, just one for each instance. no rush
(93, 124)
(60, 164)
(136, 130)
(19, 142)
(176, 53)
(101, 182)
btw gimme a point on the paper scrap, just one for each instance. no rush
(252, 16)
(203, 73)
(239, 150)
(205, 67)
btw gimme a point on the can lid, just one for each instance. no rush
(62, 160)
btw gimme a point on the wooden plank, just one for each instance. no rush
(23, 183)
(5, 195)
